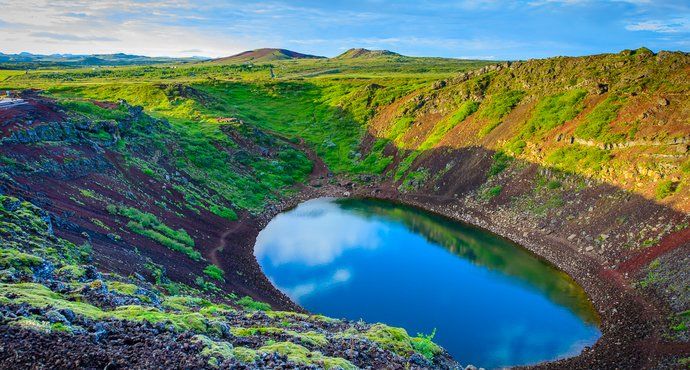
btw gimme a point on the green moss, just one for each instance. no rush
(224, 212)
(414, 180)
(554, 184)
(32, 324)
(424, 345)
(70, 272)
(303, 356)
(164, 240)
(183, 303)
(100, 224)
(182, 322)
(88, 193)
(60, 328)
(245, 355)
(299, 316)
(309, 337)
(392, 339)
(214, 272)
(248, 303)
(38, 295)
(123, 288)
(684, 361)
(216, 310)
(19, 260)
(214, 349)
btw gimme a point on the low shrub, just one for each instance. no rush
(248, 303)
(214, 272)
(665, 189)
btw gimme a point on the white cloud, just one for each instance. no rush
(139, 27)
(677, 25)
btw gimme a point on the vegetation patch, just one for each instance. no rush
(248, 303)
(303, 356)
(551, 112)
(596, 125)
(578, 158)
(442, 128)
(501, 161)
(665, 189)
(491, 192)
(148, 225)
(214, 272)
(397, 340)
(498, 106)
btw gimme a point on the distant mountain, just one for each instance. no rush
(28, 60)
(360, 53)
(264, 55)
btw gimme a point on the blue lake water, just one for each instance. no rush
(491, 302)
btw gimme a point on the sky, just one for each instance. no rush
(481, 29)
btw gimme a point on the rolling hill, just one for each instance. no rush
(356, 53)
(263, 55)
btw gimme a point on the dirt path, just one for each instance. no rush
(222, 242)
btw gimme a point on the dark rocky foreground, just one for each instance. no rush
(116, 344)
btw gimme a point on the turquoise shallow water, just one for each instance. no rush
(491, 302)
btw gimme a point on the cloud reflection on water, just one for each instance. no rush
(317, 236)
(300, 291)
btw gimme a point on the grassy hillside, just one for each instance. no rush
(621, 119)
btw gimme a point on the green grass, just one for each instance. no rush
(665, 189)
(555, 110)
(442, 128)
(92, 110)
(501, 161)
(498, 106)
(492, 192)
(148, 225)
(252, 305)
(551, 112)
(597, 123)
(214, 272)
(578, 159)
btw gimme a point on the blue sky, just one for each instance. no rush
(463, 29)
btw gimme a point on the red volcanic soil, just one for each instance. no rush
(667, 244)
(37, 110)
